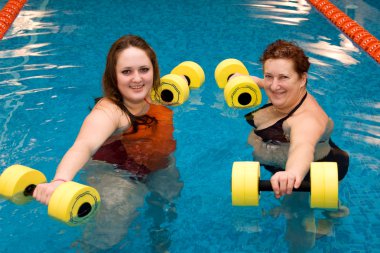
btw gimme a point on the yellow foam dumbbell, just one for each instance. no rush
(323, 186)
(240, 91)
(175, 87)
(71, 202)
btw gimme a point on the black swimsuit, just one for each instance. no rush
(274, 134)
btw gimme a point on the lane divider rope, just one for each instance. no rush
(8, 14)
(352, 29)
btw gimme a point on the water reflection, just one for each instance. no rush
(293, 13)
(364, 128)
(29, 23)
(284, 12)
(27, 50)
(282, 20)
(303, 225)
(18, 70)
(328, 50)
(367, 117)
(24, 92)
(19, 81)
(365, 133)
(31, 67)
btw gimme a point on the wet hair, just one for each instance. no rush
(281, 49)
(110, 89)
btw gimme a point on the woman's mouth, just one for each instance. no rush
(136, 87)
(278, 93)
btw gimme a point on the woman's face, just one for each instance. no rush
(134, 72)
(283, 85)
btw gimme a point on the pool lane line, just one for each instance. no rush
(8, 14)
(357, 33)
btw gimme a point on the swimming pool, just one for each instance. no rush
(50, 70)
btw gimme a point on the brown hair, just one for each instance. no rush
(281, 49)
(110, 89)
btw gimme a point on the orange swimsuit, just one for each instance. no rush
(146, 150)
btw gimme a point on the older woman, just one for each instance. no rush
(292, 130)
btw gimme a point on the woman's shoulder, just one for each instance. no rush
(113, 112)
(106, 104)
(314, 109)
(310, 108)
(310, 112)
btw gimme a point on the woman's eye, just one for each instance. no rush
(126, 72)
(144, 70)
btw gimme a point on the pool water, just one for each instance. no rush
(52, 60)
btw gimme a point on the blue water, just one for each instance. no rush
(51, 65)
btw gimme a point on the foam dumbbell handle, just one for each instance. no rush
(29, 190)
(265, 185)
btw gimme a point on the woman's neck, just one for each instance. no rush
(137, 109)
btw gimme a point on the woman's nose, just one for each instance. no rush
(136, 77)
(274, 84)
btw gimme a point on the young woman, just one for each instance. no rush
(124, 128)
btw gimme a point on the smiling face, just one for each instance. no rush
(134, 74)
(283, 85)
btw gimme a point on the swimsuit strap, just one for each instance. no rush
(249, 116)
(258, 109)
(295, 108)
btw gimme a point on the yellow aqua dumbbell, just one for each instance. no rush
(240, 91)
(323, 186)
(71, 202)
(175, 87)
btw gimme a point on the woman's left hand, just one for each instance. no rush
(283, 183)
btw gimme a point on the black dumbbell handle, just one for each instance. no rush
(265, 185)
(29, 190)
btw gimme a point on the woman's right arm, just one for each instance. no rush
(102, 121)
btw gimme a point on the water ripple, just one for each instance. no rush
(281, 11)
(29, 23)
(27, 50)
(328, 50)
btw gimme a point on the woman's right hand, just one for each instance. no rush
(283, 183)
(43, 192)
